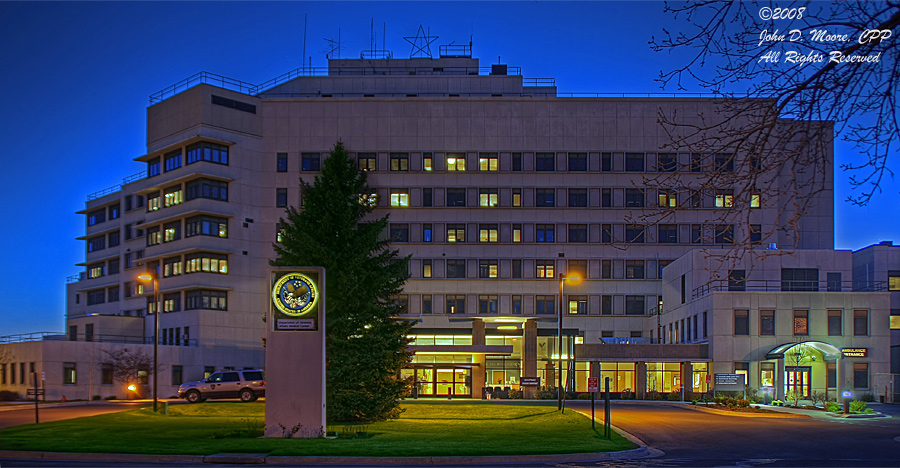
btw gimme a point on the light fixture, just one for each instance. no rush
(507, 327)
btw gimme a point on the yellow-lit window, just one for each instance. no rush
(456, 233)
(893, 283)
(667, 199)
(279, 236)
(488, 198)
(399, 198)
(426, 269)
(895, 322)
(171, 234)
(517, 233)
(544, 269)
(427, 162)
(488, 162)
(153, 202)
(755, 200)
(578, 305)
(173, 196)
(724, 199)
(487, 233)
(456, 162)
(517, 197)
(139, 290)
(95, 271)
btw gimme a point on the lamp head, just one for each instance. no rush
(145, 277)
(573, 278)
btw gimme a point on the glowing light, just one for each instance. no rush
(145, 277)
(507, 327)
(132, 387)
(573, 278)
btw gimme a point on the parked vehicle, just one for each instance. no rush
(248, 385)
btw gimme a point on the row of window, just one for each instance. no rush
(800, 324)
(203, 225)
(545, 269)
(100, 215)
(200, 151)
(199, 262)
(197, 188)
(455, 304)
(23, 373)
(540, 161)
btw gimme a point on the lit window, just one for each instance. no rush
(172, 231)
(154, 236)
(206, 263)
(95, 271)
(488, 162)
(488, 269)
(724, 198)
(399, 198)
(456, 233)
(517, 197)
(578, 305)
(488, 198)
(367, 162)
(206, 226)
(667, 199)
(487, 233)
(544, 269)
(153, 202)
(893, 280)
(400, 162)
(517, 233)
(426, 268)
(755, 200)
(172, 267)
(544, 232)
(426, 232)
(456, 162)
(427, 162)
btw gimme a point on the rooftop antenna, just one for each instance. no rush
(303, 57)
(332, 46)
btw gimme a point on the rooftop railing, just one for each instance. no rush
(200, 78)
(117, 187)
(787, 286)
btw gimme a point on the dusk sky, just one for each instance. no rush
(77, 76)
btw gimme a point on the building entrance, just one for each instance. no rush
(440, 381)
(797, 379)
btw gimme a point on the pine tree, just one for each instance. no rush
(365, 346)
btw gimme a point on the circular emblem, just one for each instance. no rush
(295, 294)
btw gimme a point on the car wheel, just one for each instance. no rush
(247, 395)
(193, 396)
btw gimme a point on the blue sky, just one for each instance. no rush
(76, 79)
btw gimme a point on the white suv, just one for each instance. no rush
(248, 385)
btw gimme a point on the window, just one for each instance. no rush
(606, 305)
(456, 197)
(634, 233)
(399, 197)
(456, 304)
(172, 231)
(860, 375)
(172, 302)
(724, 198)
(426, 304)
(834, 281)
(206, 226)
(725, 234)
(487, 304)
(114, 211)
(517, 162)
(635, 305)
(696, 199)
(114, 266)
(578, 267)
(668, 233)
(426, 233)
(400, 162)
(725, 162)
(696, 162)
(153, 167)
(860, 323)
(767, 323)
(578, 305)
(172, 160)
(743, 368)
(705, 325)
(204, 262)
(456, 162)
(177, 375)
(427, 270)
(544, 305)
(544, 232)
(741, 322)
(755, 200)
(427, 162)
(281, 162)
(737, 280)
(578, 198)
(799, 279)
(456, 233)
(606, 162)
(755, 234)
(634, 162)
(606, 269)
(696, 233)
(106, 374)
(666, 162)
(517, 268)
(95, 297)
(517, 197)
(310, 162)
(205, 299)
(544, 269)
(634, 198)
(96, 217)
(893, 280)
(606, 198)
(488, 268)
(544, 161)
(667, 198)
(830, 374)
(206, 151)
(154, 237)
(456, 268)
(96, 243)
(517, 305)
(367, 162)
(281, 197)
(113, 238)
(488, 198)
(578, 233)
(835, 323)
(69, 373)
(801, 322)
(606, 233)
(206, 188)
(578, 162)
(517, 233)
(544, 197)
(399, 232)
(488, 162)
(172, 267)
(634, 269)
(488, 233)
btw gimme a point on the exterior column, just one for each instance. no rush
(479, 370)
(640, 369)
(529, 354)
(687, 379)
(839, 379)
(779, 379)
(478, 332)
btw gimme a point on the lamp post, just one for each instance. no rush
(154, 278)
(573, 279)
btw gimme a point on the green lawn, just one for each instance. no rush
(424, 429)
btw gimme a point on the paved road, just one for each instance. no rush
(25, 414)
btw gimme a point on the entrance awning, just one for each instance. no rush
(830, 351)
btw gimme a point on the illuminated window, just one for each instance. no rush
(488, 162)
(893, 280)
(400, 162)
(153, 202)
(544, 269)
(206, 263)
(366, 161)
(724, 198)
(427, 162)
(279, 233)
(399, 198)
(487, 304)
(544, 232)
(172, 267)
(895, 322)
(369, 200)
(488, 233)
(172, 231)
(578, 305)
(456, 162)
(488, 269)
(488, 198)
(172, 302)
(456, 233)
(517, 233)
(755, 200)
(517, 197)
(427, 268)
(206, 226)
(667, 199)
(801, 323)
(69, 373)
(426, 233)
(154, 237)
(456, 304)
(95, 271)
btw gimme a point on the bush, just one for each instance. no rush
(857, 406)
(516, 394)
(777, 403)
(6, 395)
(870, 411)
(96, 398)
(111, 397)
(867, 397)
(833, 407)
(652, 395)
(694, 402)
(548, 393)
(627, 394)
(742, 403)
(674, 396)
(584, 396)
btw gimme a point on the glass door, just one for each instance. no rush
(797, 379)
(425, 381)
(444, 382)
(462, 382)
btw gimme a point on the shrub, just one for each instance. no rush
(545, 394)
(867, 397)
(777, 403)
(6, 395)
(870, 411)
(516, 394)
(653, 395)
(857, 406)
(817, 397)
(694, 402)
(111, 397)
(742, 403)
(627, 394)
(96, 398)
(833, 407)
(674, 396)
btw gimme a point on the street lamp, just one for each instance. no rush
(573, 279)
(154, 278)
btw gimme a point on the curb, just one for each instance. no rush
(745, 415)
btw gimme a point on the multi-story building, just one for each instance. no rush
(494, 184)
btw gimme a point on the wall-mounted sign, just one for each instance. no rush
(295, 297)
(730, 382)
(530, 381)
(855, 352)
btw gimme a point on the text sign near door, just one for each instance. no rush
(530, 381)
(295, 362)
(593, 384)
(730, 382)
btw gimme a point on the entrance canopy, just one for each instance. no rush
(830, 351)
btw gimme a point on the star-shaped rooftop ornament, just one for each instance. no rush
(421, 43)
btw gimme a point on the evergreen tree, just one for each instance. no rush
(365, 346)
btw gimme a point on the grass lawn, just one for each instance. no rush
(424, 429)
